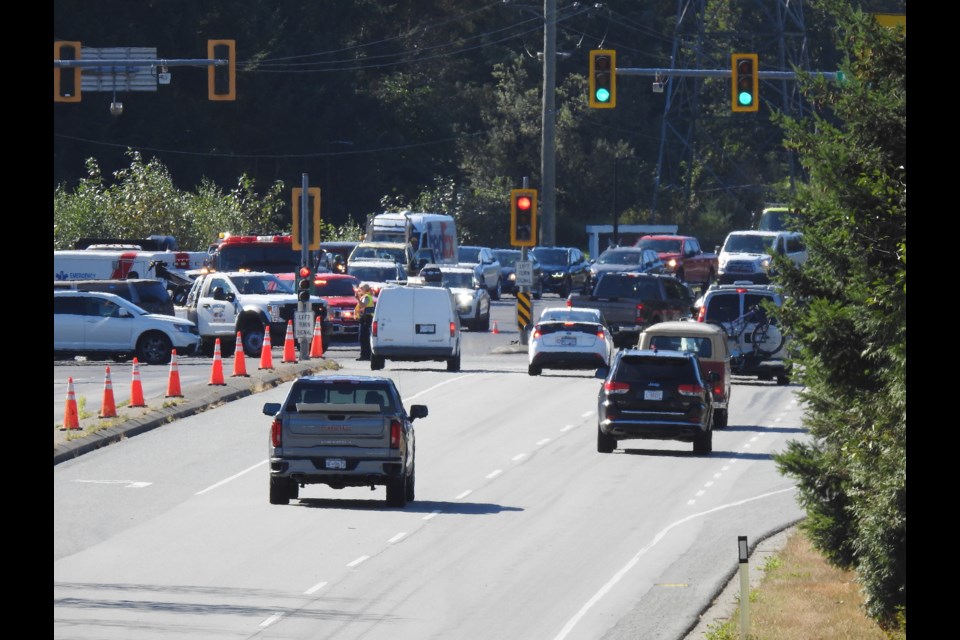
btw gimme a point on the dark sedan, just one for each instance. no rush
(508, 259)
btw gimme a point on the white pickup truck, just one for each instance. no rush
(250, 302)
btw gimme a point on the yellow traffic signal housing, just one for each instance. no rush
(313, 228)
(66, 81)
(523, 217)
(221, 80)
(603, 79)
(745, 82)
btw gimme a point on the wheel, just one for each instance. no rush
(228, 348)
(720, 418)
(605, 442)
(154, 348)
(766, 338)
(252, 336)
(279, 491)
(703, 443)
(565, 288)
(453, 364)
(484, 324)
(534, 370)
(411, 482)
(376, 362)
(397, 492)
(497, 290)
(783, 379)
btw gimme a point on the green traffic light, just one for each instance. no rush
(745, 98)
(603, 95)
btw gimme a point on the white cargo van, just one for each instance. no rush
(415, 323)
(433, 236)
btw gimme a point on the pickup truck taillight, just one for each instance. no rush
(702, 314)
(275, 430)
(613, 388)
(690, 390)
(639, 311)
(395, 431)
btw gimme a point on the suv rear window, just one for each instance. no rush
(659, 368)
(723, 307)
(703, 347)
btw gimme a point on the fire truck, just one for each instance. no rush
(270, 253)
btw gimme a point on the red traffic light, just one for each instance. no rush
(524, 203)
(304, 272)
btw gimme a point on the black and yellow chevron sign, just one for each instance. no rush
(524, 314)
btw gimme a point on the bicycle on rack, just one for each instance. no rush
(752, 336)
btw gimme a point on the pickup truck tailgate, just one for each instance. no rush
(340, 426)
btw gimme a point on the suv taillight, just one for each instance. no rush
(612, 388)
(395, 430)
(690, 390)
(275, 430)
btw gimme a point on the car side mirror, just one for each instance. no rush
(271, 408)
(418, 411)
(124, 313)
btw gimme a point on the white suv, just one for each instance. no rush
(95, 323)
(747, 255)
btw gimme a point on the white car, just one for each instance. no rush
(94, 323)
(569, 338)
(472, 298)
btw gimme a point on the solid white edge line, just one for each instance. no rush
(567, 628)
(233, 477)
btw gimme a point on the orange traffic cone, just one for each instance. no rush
(289, 347)
(266, 353)
(71, 419)
(109, 408)
(316, 347)
(495, 329)
(136, 389)
(239, 360)
(173, 383)
(216, 373)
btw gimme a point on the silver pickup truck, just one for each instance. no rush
(342, 431)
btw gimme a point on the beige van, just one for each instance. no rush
(709, 342)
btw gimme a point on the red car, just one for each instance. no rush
(340, 292)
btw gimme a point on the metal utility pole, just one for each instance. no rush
(548, 175)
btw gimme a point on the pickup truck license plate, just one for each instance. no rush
(568, 341)
(427, 328)
(336, 463)
(653, 394)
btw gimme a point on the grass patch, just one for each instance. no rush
(801, 597)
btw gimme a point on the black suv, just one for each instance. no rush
(757, 347)
(655, 395)
(564, 270)
(150, 295)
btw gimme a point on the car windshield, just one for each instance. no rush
(552, 256)
(373, 273)
(660, 245)
(379, 253)
(748, 244)
(462, 280)
(620, 257)
(262, 284)
(468, 254)
(564, 315)
(336, 287)
(507, 258)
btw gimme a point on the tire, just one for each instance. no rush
(564, 289)
(453, 364)
(397, 492)
(767, 339)
(703, 444)
(252, 336)
(279, 491)
(411, 485)
(227, 349)
(376, 363)
(497, 290)
(534, 370)
(484, 325)
(154, 347)
(720, 419)
(605, 443)
(783, 379)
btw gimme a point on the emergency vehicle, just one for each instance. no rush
(118, 262)
(433, 236)
(271, 253)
